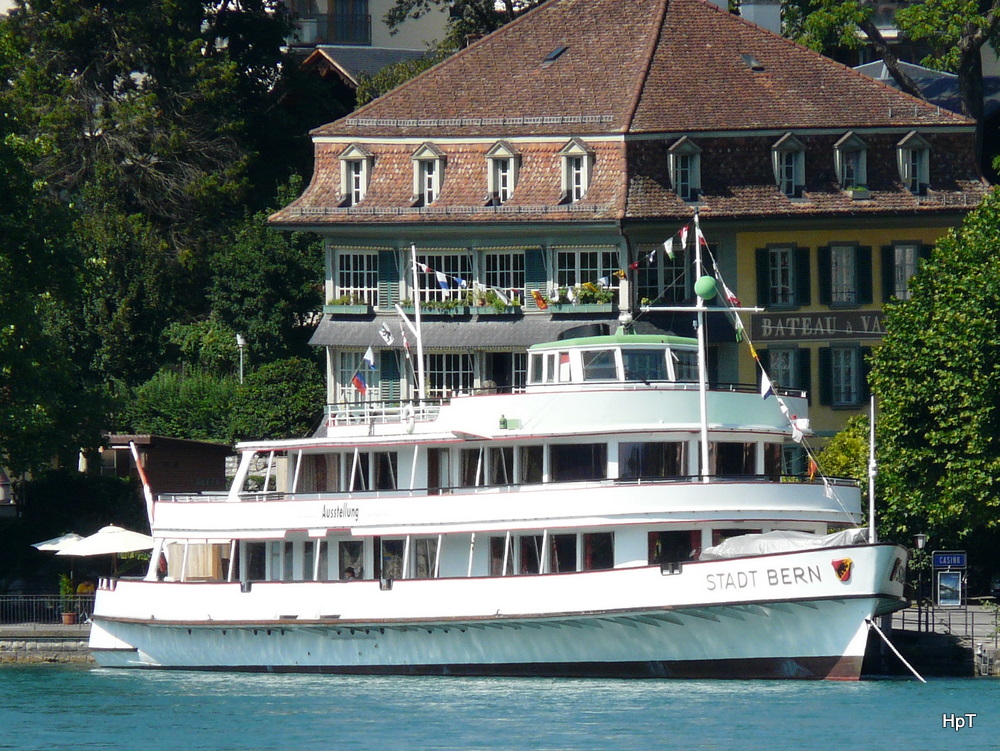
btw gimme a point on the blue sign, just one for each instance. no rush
(949, 559)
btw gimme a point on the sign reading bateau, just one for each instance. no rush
(776, 327)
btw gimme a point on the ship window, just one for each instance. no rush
(532, 459)
(385, 470)
(322, 567)
(644, 365)
(772, 459)
(530, 554)
(599, 365)
(685, 365)
(308, 549)
(498, 550)
(733, 458)
(471, 461)
(598, 551)
(673, 546)
(502, 465)
(562, 553)
(376, 470)
(650, 460)
(256, 557)
(536, 369)
(359, 472)
(719, 536)
(319, 473)
(288, 561)
(392, 559)
(350, 563)
(578, 461)
(565, 375)
(424, 556)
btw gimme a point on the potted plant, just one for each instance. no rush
(67, 599)
(859, 192)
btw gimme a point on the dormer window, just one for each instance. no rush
(850, 156)
(789, 162)
(502, 168)
(578, 162)
(685, 169)
(913, 156)
(428, 174)
(355, 173)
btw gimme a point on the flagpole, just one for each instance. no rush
(421, 392)
(872, 471)
(702, 360)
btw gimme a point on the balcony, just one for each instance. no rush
(333, 28)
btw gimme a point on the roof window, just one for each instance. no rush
(553, 56)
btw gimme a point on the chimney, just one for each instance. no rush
(764, 13)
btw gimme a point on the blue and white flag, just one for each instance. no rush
(766, 389)
(369, 358)
(442, 279)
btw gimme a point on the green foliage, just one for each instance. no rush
(206, 344)
(937, 376)
(941, 25)
(268, 285)
(196, 405)
(846, 454)
(372, 86)
(282, 399)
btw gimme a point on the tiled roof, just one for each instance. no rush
(353, 61)
(635, 66)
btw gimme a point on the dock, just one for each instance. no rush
(41, 643)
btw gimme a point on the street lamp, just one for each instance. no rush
(919, 542)
(241, 343)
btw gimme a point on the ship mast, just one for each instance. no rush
(702, 358)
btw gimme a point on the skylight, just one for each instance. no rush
(553, 56)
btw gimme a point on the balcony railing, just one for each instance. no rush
(334, 28)
(43, 608)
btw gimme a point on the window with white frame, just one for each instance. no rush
(355, 173)
(357, 277)
(575, 268)
(788, 161)
(850, 155)
(685, 169)
(504, 270)
(577, 160)
(782, 276)
(913, 157)
(448, 276)
(449, 373)
(503, 162)
(843, 274)
(662, 279)
(845, 375)
(366, 389)
(428, 174)
(906, 258)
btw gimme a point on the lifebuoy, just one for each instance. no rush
(408, 417)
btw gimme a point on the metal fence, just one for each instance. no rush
(44, 608)
(978, 624)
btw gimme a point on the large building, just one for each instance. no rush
(537, 170)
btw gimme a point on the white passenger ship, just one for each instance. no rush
(616, 518)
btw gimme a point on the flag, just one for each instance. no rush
(425, 268)
(462, 283)
(406, 342)
(369, 358)
(602, 283)
(766, 389)
(359, 383)
(667, 246)
(796, 433)
(813, 469)
(753, 352)
(634, 265)
(684, 237)
(501, 296)
(701, 238)
(539, 300)
(386, 334)
(442, 279)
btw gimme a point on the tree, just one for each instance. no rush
(282, 399)
(196, 405)
(955, 30)
(466, 17)
(267, 285)
(937, 377)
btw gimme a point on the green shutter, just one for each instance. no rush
(389, 384)
(803, 370)
(825, 376)
(825, 260)
(803, 284)
(763, 277)
(534, 276)
(864, 274)
(388, 279)
(888, 273)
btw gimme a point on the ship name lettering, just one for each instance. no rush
(343, 511)
(793, 575)
(738, 580)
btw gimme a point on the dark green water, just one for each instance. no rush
(50, 707)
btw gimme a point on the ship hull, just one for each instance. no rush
(789, 615)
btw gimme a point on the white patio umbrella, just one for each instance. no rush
(56, 544)
(108, 540)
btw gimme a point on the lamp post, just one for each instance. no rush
(241, 343)
(919, 542)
